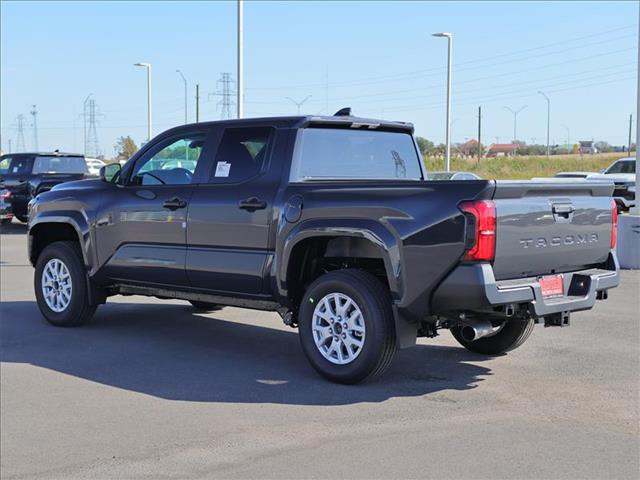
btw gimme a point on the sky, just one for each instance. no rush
(377, 57)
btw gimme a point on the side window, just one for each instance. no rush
(15, 165)
(240, 154)
(171, 163)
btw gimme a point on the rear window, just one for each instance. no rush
(325, 153)
(59, 165)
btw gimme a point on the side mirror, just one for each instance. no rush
(110, 172)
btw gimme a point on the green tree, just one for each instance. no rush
(125, 148)
(426, 146)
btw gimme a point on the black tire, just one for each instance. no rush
(23, 218)
(204, 306)
(78, 311)
(514, 333)
(374, 302)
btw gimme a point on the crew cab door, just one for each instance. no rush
(229, 217)
(141, 230)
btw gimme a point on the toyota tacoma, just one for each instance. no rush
(331, 222)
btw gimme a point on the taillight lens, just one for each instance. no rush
(614, 224)
(484, 247)
(5, 193)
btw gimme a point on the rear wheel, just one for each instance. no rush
(346, 326)
(61, 285)
(513, 334)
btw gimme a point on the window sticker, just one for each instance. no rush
(223, 169)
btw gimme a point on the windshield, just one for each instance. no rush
(622, 166)
(59, 165)
(325, 153)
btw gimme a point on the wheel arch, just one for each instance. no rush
(48, 228)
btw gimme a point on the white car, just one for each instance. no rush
(623, 174)
(94, 165)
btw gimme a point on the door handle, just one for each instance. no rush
(174, 203)
(253, 203)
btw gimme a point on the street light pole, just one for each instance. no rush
(299, 104)
(449, 37)
(548, 118)
(240, 32)
(186, 118)
(149, 117)
(515, 121)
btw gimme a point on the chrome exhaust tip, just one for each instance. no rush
(476, 330)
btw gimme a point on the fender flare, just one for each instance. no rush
(370, 230)
(77, 220)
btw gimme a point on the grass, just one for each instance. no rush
(527, 167)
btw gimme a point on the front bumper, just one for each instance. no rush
(473, 287)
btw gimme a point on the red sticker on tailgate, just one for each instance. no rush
(551, 286)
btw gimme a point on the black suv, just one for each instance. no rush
(25, 175)
(332, 223)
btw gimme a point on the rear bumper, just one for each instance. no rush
(473, 287)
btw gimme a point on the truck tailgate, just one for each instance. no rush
(551, 227)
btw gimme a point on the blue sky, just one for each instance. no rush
(378, 57)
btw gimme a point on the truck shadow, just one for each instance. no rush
(168, 351)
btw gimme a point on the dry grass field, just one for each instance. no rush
(526, 167)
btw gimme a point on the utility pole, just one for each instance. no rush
(20, 141)
(629, 143)
(34, 112)
(548, 118)
(240, 75)
(186, 118)
(298, 104)
(224, 90)
(479, 132)
(197, 102)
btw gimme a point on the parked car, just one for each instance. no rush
(623, 174)
(330, 222)
(452, 176)
(94, 165)
(25, 175)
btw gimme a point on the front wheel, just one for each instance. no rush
(513, 334)
(61, 285)
(346, 326)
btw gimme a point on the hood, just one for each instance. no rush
(88, 183)
(614, 177)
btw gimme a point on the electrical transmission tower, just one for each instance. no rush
(20, 140)
(91, 145)
(226, 86)
(34, 112)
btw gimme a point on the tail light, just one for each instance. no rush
(5, 193)
(614, 223)
(484, 213)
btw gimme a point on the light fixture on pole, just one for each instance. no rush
(299, 104)
(548, 118)
(449, 37)
(186, 118)
(149, 117)
(515, 125)
(240, 32)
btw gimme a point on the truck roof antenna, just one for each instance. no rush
(343, 112)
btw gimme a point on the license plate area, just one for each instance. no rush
(551, 286)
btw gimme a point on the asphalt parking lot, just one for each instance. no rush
(151, 389)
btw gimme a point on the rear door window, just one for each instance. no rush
(18, 165)
(241, 154)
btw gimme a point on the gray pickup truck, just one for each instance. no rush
(332, 223)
